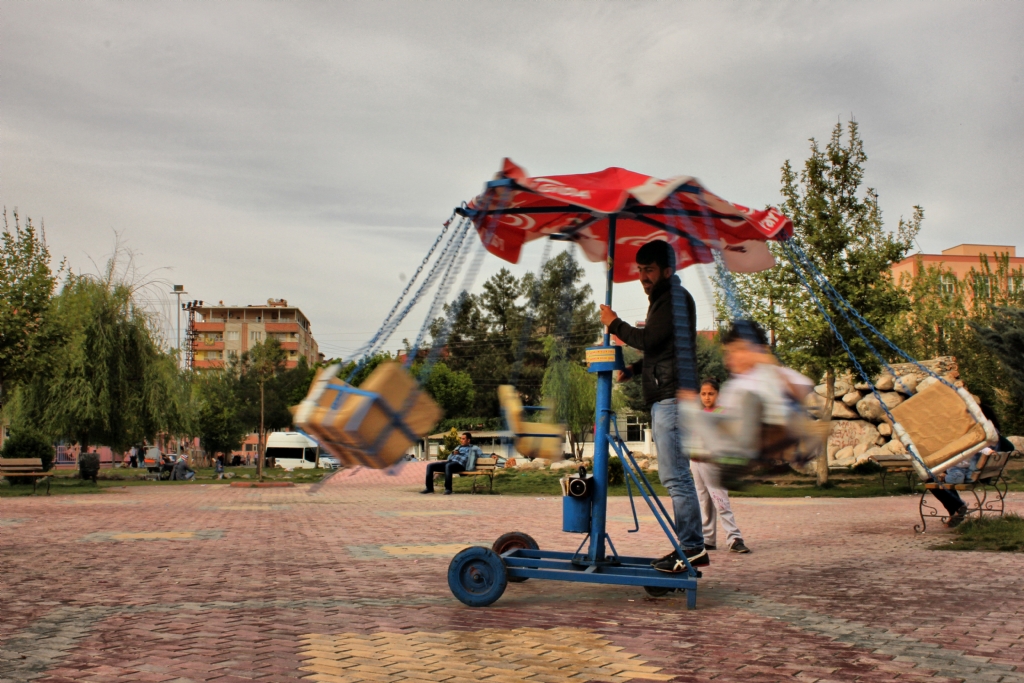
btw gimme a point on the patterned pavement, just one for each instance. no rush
(346, 581)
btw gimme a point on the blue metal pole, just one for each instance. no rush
(604, 403)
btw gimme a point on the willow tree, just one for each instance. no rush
(106, 381)
(27, 285)
(571, 392)
(838, 224)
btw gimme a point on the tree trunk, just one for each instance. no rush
(826, 416)
(259, 447)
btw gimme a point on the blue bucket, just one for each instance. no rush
(576, 515)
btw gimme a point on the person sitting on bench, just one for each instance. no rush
(462, 459)
(961, 474)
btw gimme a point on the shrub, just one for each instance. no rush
(89, 466)
(27, 444)
(616, 475)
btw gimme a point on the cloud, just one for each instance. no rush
(312, 150)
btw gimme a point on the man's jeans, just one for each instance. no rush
(449, 468)
(674, 472)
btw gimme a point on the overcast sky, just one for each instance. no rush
(311, 150)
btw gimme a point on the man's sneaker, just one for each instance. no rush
(673, 564)
(739, 547)
(710, 546)
(447, 492)
(426, 491)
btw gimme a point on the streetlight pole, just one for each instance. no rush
(178, 291)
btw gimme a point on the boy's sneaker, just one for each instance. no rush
(710, 546)
(739, 547)
(673, 564)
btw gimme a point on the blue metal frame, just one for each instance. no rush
(597, 565)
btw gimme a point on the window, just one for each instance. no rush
(232, 335)
(255, 336)
(232, 355)
(212, 338)
(214, 355)
(948, 285)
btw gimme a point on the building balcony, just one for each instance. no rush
(282, 327)
(209, 327)
(202, 345)
(290, 346)
(207, 364)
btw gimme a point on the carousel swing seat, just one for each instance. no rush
(531, 439)
(944, 425)
(373, 425)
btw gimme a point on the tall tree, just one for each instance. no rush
(838, 224)
(27, 285)
(265, 361)
(571, 392)
(219, 420)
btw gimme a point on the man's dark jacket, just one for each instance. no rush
(658, 367)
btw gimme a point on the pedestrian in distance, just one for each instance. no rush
(462, 459)
(659, 374)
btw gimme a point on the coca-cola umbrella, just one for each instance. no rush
(515, 209)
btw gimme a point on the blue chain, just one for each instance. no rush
(846, 304)
(846, 347)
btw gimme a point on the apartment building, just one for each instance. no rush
(959, 260)
(221, 332)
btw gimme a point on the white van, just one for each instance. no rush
(292, 450)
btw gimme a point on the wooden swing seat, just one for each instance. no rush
(531, 439)
(943, 424)
(373, 425)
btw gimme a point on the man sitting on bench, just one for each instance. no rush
(462, 459)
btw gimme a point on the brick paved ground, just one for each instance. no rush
(346, 581)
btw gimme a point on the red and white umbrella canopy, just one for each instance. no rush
(678, 210)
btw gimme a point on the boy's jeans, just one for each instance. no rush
(674, 472)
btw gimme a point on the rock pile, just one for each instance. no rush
(861, 429)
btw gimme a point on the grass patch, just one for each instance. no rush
(1000, 534)
(67, 481)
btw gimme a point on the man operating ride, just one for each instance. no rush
(660, 381)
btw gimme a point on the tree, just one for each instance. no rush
(219, 421)
(839, 226)
(26, 288)
(572, 393)
(28, 444)
(265, 360)
(107, 381)
(452, 390)
(1004, 337)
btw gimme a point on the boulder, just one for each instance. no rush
(926, 382)
(842, 411)
(906, 385)
(876, 450)
(653, 467)
(885, 429)
(841, 387)
(870, 409)
(850, 433)
(845, 453)
(1017, 441)
(861, 460)
(881, 440)
(851, 398)
(885, 382)
(862, 386)
(895, 447)
(860, 449)
(564, 465)
(844, 462)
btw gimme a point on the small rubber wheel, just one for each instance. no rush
(657, 591)
(511, 541)
(477, 576)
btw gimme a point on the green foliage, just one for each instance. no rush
(616, 472)
(106, 381)
(958, 317)
(452, 390)
(28, 444)
(219, 421)
(450, 443)
(709, 364)
(572, 392)
(472, 424)
(1005, 534)
(839, 226)
(26, 287)
(497, 336)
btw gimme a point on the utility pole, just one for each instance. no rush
(178, 291)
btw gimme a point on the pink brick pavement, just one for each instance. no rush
(219, 583)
